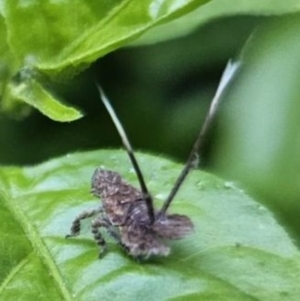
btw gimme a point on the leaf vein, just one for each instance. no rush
(39, 247)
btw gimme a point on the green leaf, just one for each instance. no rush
(69, 33)
(238, 251)
(52, 37)
(217, 9)
(33, 93)
(6, 63)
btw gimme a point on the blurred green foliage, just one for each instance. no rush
(258, 143)
(161, 92)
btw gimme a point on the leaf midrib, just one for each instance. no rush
(39, 248)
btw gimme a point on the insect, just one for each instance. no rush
(127, 213)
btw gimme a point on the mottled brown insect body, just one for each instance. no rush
(127, 213)
(117, 196)
(125, 209)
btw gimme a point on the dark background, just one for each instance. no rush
(160, 92)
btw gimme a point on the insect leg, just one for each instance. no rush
(105, 223)
(75, 228)
(117, 237)
(96, 224)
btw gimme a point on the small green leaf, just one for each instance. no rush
(237, 252)
(33, 93)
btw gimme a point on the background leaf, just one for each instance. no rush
(238, 251)
(63, 39)
(217, 9)
(259, 137)
(50, 37)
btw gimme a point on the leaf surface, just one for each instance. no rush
(237, 252)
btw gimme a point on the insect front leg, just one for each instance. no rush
(75, 228)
